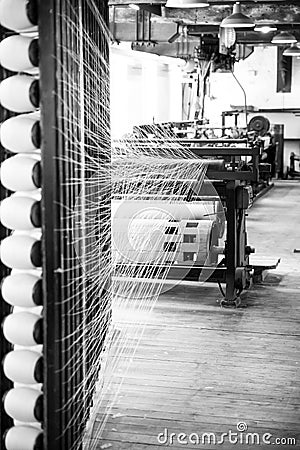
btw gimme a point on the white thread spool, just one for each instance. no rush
(20, 93)
(36, 386)
(18, 15)
(23, 404)
(23, 328)
(21, 173)
(20, 213)
(23, 438)
(34, 309)
(21, 252)
(36, 425)
(20, 134)
(23, 366)
(23, 290)
(19, 54)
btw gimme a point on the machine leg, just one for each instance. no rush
(232, 298)
(236, 303)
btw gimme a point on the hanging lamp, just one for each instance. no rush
(293, 50)
(237, 19)
(284, 38)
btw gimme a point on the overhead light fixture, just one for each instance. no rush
(133, 6)
(227, 37)
(284, 38)
(293, 50)
(265, 29)
(237, 19)
(187, 3)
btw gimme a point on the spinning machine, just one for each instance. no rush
(47, 374)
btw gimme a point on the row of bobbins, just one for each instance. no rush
(20, 213)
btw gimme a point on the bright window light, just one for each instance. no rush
(133, 6)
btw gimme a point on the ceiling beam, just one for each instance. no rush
(184, 50)
(142, 26)
(211, 2)
(253, 38)
(204, 29)
(260, 13)
(128, 32)
(162, 32)
(244, 36)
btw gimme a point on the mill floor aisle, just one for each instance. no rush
(202, 369)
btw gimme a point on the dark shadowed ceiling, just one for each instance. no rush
(154, 25)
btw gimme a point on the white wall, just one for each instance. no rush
(144, 88)
(147, 87)
(258, 76)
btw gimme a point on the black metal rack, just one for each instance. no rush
(71, 347)
(5, 384)
(62, 329)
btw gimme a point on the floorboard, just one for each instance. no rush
(203, 369)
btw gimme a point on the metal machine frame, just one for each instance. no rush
(65, 406)
(233, 185)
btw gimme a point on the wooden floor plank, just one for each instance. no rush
(200, 367)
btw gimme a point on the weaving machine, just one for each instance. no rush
(230, 172)
(259, 128)
(48, 352)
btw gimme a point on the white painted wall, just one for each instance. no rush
(148, 87)
(258, 75)
(144, 88)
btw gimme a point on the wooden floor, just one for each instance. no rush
(200, 368)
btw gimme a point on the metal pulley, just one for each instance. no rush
(260, 125)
